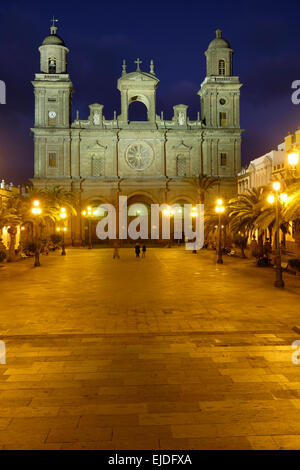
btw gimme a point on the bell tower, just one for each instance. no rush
(53, 105)
(220, 109)
(138, 86)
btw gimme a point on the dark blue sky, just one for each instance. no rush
(175, 34)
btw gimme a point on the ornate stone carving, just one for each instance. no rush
(139, 155)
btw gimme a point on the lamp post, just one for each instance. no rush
(219, 210)
(169, 213)
(277, 199)
(36, 210)
(89, 213)
(63, 216)
(194, 215)
(63, 230)
(293, 158)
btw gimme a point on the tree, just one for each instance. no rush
(17, 210)
(12, 216)
(291, 212)
(244, 211)
(202, 183)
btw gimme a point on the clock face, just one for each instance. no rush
(52, 114)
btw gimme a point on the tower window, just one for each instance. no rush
(181, 166)
(221, 67)
(52, 161)
(223, 119)
(97, 166)
(223, 159)
(52, 65)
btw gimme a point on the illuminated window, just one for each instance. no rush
(223, 159)
(52, 160)
(221, 67)
(223, 119)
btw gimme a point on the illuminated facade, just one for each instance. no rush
(146, 160)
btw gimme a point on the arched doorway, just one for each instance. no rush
(139, 205)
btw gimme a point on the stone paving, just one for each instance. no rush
(168, 352)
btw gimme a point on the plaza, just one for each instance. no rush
(168, 352)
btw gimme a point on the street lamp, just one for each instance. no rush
(63, 230)
(63, 216)
(277, 199)
(89, 213)
(168, 212)
(293, 158)
(219, 210)
(36, 210)
(194, 215)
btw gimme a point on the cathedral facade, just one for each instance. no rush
(148, 161)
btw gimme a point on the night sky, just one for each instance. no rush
(175, 34)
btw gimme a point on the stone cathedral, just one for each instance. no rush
(148, 161)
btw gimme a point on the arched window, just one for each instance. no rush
(221, 67)
(52, 65)
(137, 111)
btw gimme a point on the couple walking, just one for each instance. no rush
(137, 250)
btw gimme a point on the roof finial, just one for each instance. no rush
(219, 33)
(53, 28)
(152, 67)
(138, 62)
(124, 67)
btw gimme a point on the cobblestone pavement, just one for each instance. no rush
(168, 352)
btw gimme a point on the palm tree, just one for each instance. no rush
(58, 197)
(202, 183)
(18, 211)
(244, 211)
(12, 216)
(292, 212)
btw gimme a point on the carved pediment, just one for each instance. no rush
(182, 147)
(97, 147)
(138, 77)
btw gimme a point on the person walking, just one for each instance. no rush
(137, 250)
(144, 251)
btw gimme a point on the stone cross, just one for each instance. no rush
(138, 62)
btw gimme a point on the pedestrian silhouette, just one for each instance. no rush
(144, 251)
(137, 250)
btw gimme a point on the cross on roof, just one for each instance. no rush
(54, 20)
(138, 62)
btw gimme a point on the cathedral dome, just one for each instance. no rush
(53, 40)
(219, 42)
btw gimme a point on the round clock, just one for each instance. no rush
(52, 114)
